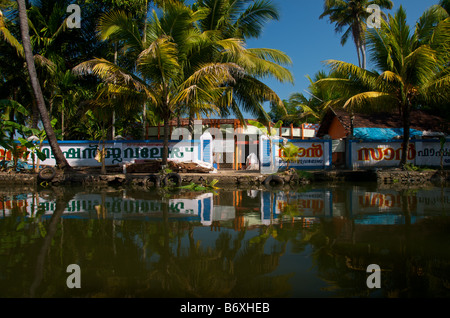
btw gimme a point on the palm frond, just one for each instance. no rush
(419, 64)
(440, 41)
(252, 21)
(120, 26)
(367, 78)
(159, 62)
(45, 63)
(110, 74)
(438, 87)
(9, 38)
(389, 77)
(337, 103)
(369, 102)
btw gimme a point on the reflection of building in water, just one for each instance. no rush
(15, 204)
(235, 209)
(246, 209)
(296, 205)
(242, 208)
(392, 207)
(199, 208)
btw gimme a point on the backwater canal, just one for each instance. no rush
(314, 241)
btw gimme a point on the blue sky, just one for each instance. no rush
(309, 41)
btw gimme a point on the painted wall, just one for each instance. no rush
(421, 152)
(82, 153)
(336, 130)
(313, 154)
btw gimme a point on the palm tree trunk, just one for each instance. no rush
(358, 51)
(45, 118)
(357, 41)
(34, 115)
(364, 56)
(165, 153)
(62, 122)
(191, 122)
(144, 121)
(406, 118)
(103, 156)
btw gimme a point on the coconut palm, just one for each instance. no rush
(178, 65)
(310, 105)
(304, 109)
(353, 15)
(45, 118)
(15, 77)
(241, 20)
(7, 35)
(290, 153)
(414, 69)
(159, 77)
(51, 42)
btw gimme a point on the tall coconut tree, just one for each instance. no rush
(179, 65)
(350, 17)
(241, 20)
(45, 118)
(238, 18)
(413, 66)
(159, 77)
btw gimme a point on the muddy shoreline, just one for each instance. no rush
(233, 179)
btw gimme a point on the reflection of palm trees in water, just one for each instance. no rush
(167, 259)
(232, 268)
(61, 203)
(405, 252)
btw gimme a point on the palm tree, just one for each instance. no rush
(178, 65)
(23, 20)
(241, 20)
(414, 69)
(290, 153)
(310, 105)
(159, 77)
(303, 109)
(352, 14)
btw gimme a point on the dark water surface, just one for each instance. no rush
(310, 242)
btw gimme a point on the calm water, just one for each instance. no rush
(310, 242)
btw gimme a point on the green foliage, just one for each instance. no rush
(33, 147)
(273, 129)
(352, 16)
(289, 153)
(413, 68)
(304, 174)
(411, 167)
(299, 109)
(207, 187)
(200, 58)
